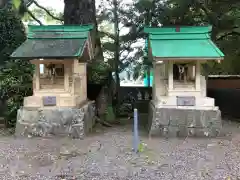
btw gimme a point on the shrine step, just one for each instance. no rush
(55, 86)
(56, 92)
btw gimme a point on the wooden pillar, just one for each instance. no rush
(170, 75)
(66, 77)
(45, 70)
(197, 75)
(37, 75)
(154, 96)
(84, 79)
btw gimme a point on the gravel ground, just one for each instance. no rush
(107, 155)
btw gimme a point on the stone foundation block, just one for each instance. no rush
(184, 122)
(73, 122)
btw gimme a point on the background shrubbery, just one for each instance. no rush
(15, 75)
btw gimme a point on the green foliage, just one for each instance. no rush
(110, 116)
(127, 38)
(15, 84)
(41, 14)
(20, 6)
(16, 3)
(12, 34)
(98, 72)
(15, 75)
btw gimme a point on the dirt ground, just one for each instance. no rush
(107, 155)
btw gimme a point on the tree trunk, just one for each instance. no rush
(148, 76)
(79, 12)
(83, 12)
(148, 23)
(116, 54)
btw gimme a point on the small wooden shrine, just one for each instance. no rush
(59, 103)
(179, 85)
(60, 55)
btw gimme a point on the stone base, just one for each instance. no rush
(42, 122)
(201, 103)
(183, 122)
(63, 99)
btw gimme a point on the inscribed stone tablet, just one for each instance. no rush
(185, 101)
(49, 100)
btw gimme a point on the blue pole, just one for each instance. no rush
(135, 132)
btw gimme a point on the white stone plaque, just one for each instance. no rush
(49, 100)
(186, 101)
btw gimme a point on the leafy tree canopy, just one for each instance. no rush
(15, 75)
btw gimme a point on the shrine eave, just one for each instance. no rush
(187, 43)
(49, 48)
(54, 41)
(196, 49)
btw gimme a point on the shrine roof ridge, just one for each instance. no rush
(181, 30)
(60, 28)
(182, 42)
(58, 31)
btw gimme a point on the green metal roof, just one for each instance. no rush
(54, 41)
(188, 42)
(60, 28)
(183, 30)
(50, 48)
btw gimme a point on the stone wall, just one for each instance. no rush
(183, 122)
(75, 123)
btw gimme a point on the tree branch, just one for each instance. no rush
(211, 17)
(34, 18)
(124, 58)
(108, 35)
(220, 37)
(47, 11)
(28, 2)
